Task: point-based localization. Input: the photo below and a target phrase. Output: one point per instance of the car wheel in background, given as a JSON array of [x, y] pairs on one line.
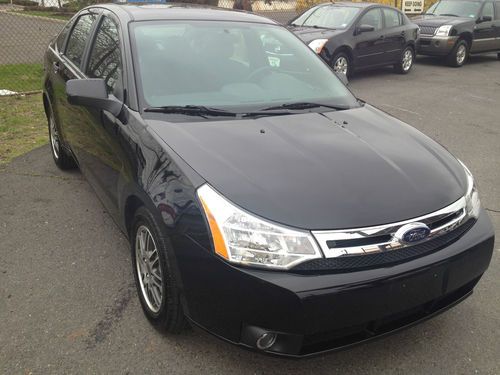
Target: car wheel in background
[[61, 157], [459, 54], [341, 63], [156, 286], [406, 62]]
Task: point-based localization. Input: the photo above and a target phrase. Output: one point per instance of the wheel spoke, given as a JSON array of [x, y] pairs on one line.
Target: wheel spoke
[[149, 269], [156, 296]]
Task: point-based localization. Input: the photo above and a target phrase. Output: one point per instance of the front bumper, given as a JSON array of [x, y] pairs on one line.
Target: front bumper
[[435, 46], [315, 313]]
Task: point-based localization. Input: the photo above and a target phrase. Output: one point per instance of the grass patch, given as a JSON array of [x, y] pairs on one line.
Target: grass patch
[[41, 13], [21, 77], [23, 125]]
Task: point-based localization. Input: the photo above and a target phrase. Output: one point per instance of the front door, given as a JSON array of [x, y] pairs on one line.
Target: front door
[[102, 135], [484, 30], [496, 24], [369, 46]]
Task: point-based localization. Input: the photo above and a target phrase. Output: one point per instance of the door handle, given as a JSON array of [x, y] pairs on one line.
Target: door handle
[[381, 37], [56, 66]]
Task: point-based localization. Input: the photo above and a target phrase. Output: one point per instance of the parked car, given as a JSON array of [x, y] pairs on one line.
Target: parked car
[[351, 36], [263, 202], [453, 29]]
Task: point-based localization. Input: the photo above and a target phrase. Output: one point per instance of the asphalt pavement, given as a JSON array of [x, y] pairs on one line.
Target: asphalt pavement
[[67, 300]]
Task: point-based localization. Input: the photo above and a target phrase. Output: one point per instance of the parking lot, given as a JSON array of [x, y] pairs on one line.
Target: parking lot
[[67, 299]]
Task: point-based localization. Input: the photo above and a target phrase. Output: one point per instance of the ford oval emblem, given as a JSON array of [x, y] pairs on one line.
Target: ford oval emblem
[[414, 232]]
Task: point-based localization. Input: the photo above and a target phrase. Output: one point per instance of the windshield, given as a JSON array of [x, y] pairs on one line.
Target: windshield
[[230, 65], [455, 8], [330, 17]]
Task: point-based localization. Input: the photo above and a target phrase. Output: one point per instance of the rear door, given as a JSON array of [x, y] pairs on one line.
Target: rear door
[[369, 46], [68, 67], [53, 66], [484, 30], [395, 34]]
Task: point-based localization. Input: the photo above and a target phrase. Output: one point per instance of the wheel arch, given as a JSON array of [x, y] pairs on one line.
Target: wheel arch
[[46, 103], [132, 204], [467, 36], [347, 50]]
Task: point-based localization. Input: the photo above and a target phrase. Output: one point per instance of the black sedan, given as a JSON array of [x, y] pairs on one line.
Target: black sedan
[[263, 202], [351, 36]]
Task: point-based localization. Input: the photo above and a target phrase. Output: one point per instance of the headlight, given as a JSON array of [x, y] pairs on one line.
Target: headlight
[[243, 238], [443, 30], [317, 45], [473, 204]]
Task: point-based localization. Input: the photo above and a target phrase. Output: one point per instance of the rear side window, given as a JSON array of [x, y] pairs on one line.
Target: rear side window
[[372, 18], [62, 36], [392, 18], [105, 57], [78, 38]]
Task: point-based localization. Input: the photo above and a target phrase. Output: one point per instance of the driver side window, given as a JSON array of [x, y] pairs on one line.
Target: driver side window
[[488, 11], [372, 18], [105, 58]]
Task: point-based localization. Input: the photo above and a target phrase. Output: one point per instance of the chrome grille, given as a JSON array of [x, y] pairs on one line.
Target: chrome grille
[[383, 259], [385, 238], [427, 30]]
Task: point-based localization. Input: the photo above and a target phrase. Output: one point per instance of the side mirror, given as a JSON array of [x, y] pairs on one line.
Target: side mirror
[[92, 93], [343, 78], [485, 19], [364, 29]]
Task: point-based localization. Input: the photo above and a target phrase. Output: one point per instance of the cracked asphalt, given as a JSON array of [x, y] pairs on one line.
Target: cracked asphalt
[[67, 300]]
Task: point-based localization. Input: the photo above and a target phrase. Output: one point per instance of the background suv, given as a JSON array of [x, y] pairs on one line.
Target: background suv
[[456, 28]]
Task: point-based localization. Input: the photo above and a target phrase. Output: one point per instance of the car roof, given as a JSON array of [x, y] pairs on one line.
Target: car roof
[[354, 4], [173, 11]]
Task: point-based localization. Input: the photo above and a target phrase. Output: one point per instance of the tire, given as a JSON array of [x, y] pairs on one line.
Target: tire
[[459, 54], [341, 63], [61, 157], [406, 61], [498, 56], [155, 275]]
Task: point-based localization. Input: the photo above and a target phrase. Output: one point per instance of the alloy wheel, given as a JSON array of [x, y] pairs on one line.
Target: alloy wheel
[[148, 268], [461, 53], [341, 65], [407, 60]]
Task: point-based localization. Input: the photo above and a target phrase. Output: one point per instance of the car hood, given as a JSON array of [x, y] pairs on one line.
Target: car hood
[[308, 34], [440, 20], [336, 170]]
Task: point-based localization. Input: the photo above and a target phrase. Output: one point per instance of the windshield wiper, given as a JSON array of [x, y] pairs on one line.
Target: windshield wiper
[[304, 105], [449, 14], [191, 110]]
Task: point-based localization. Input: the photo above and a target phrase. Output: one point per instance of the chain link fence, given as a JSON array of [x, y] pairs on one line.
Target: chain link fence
[[27, 26]]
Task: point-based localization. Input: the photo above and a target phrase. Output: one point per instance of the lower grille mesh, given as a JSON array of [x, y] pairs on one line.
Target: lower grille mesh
[[350, 263]]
